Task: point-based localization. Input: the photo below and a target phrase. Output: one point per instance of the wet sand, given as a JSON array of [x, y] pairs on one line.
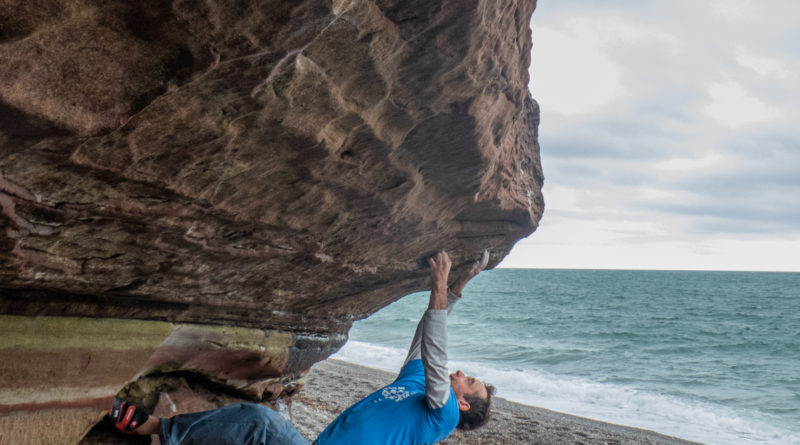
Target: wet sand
[[333, 385]]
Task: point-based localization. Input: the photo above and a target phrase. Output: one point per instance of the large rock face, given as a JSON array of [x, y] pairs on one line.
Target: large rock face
[[281, 167]]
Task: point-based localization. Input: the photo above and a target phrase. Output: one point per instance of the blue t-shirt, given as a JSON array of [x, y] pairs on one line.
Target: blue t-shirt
[[396, 414]]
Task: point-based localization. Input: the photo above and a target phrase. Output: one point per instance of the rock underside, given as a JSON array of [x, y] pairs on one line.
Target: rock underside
[[213, 191]]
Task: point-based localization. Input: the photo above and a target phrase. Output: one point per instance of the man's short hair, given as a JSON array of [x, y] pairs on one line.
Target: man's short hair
[[478, 412]]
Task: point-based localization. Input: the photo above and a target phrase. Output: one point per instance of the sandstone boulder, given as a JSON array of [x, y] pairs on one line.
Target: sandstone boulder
[[275, 168]]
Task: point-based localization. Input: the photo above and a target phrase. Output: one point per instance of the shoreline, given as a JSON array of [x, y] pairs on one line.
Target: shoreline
[[333, 385]]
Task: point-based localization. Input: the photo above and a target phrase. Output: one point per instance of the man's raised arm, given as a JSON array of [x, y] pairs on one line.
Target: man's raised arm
[[434, 334], [430, 339]]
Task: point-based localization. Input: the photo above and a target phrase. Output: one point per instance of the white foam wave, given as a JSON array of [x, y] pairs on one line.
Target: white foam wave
[[374, 356], [669, 415]]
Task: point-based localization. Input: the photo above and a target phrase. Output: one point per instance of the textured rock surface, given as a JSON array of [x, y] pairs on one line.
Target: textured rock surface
[[270, 164], [283, 166]]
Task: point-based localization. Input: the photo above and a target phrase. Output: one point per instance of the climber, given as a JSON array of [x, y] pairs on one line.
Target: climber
[[422, 406]]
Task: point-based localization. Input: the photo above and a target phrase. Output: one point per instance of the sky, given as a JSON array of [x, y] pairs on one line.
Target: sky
[[670, 135]]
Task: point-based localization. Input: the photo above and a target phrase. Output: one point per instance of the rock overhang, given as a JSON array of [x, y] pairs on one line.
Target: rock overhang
[[284, 167]]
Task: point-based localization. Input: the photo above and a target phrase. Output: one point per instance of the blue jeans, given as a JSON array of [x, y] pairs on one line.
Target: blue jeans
[[239, 424]]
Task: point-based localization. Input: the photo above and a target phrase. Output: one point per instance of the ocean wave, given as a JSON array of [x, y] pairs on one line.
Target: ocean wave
[[374, 356]]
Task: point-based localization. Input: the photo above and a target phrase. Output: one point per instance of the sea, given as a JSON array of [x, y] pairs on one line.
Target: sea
[[712, 357]]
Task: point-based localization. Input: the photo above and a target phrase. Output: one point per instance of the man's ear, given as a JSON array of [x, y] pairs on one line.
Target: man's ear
[[463, 405]]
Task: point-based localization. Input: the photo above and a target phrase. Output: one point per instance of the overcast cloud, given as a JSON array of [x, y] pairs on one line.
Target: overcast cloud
[[669, 135]]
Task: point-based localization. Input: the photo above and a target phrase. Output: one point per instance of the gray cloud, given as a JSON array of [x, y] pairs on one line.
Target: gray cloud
[[692, 135]]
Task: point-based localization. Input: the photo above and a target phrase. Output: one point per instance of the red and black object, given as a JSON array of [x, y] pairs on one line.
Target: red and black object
[[126, 417]]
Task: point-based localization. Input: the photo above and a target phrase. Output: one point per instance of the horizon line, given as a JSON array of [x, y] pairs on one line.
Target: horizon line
[[645, 270]]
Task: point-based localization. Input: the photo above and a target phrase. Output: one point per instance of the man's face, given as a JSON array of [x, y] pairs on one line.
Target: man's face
[[464, 385]]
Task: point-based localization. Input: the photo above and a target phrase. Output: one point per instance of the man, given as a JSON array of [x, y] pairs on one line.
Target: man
[[422, 406]]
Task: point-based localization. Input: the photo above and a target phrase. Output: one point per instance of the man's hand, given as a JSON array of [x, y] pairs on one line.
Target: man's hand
[[440, 272]]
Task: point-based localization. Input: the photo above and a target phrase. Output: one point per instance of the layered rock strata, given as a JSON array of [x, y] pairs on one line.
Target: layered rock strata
[[279, 167], [59, 374]]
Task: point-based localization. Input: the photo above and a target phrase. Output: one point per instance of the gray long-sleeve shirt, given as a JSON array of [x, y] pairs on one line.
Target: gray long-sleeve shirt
[[430, 344]]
